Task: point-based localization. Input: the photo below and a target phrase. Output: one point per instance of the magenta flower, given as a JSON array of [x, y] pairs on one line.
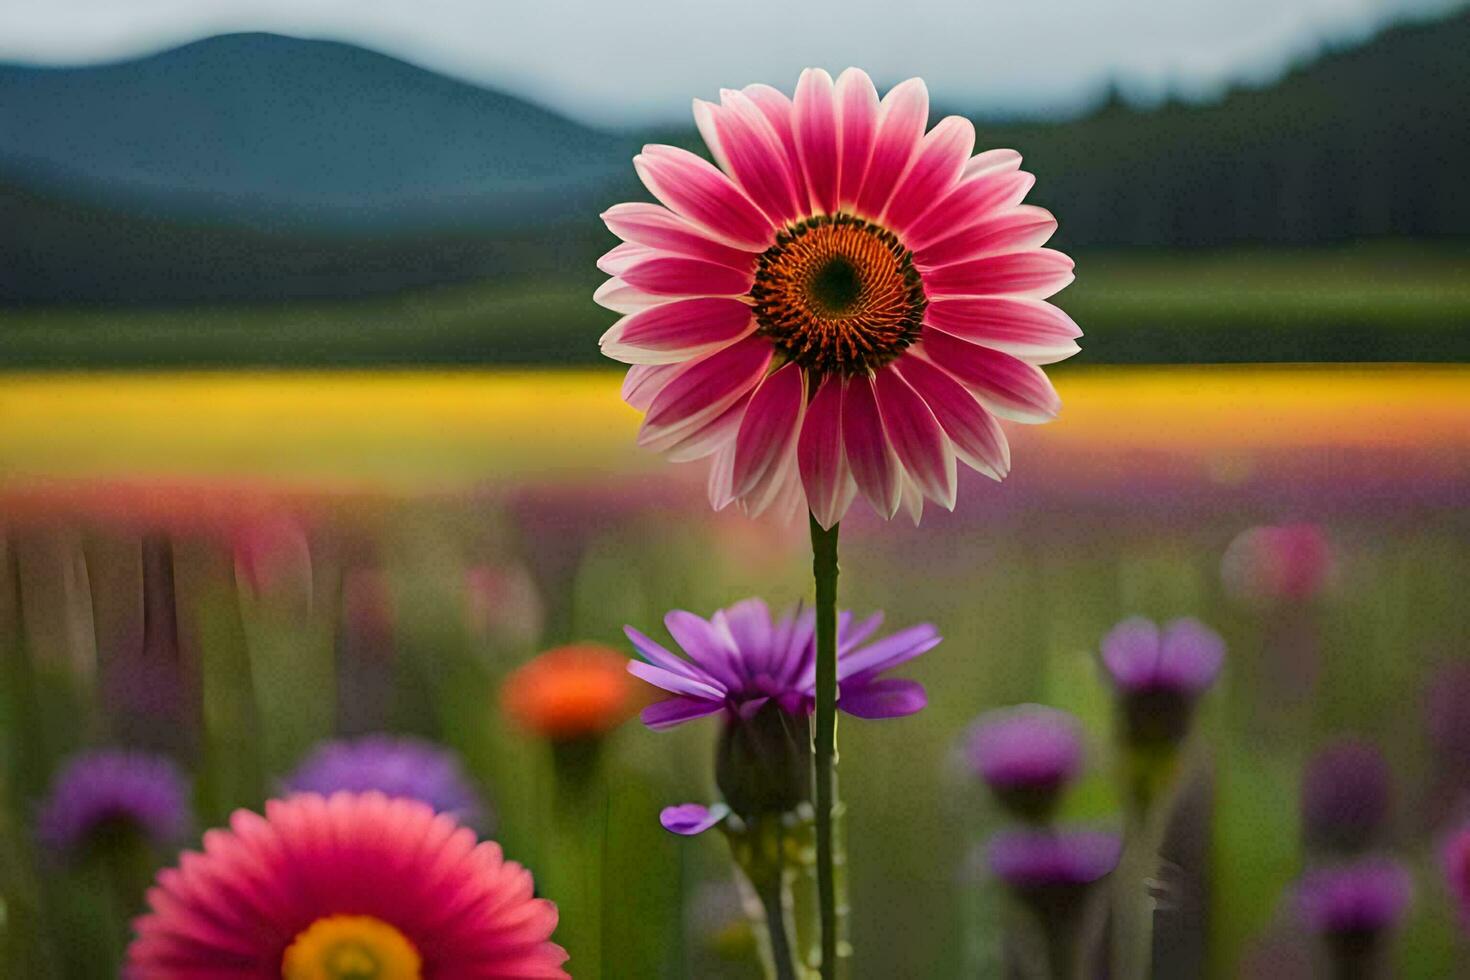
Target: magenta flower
[[1284, 563], [741, 659], [1358, 900], [1347, 790], [1026, 754], [1456, 862], [1030, 861], [110, 790], [843, 305], [1158, 674]]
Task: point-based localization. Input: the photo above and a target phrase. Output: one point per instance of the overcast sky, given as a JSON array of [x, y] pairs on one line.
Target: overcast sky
[[641, 60]]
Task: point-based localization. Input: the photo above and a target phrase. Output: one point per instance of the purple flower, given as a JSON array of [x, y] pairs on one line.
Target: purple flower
[[741, 659], [1346, 793], [105, 791], [1456, 862], [1361, 899], [1026, 754], [1030, 860], [1160, 673], [1281, 564], [689, 819], [395, 766]]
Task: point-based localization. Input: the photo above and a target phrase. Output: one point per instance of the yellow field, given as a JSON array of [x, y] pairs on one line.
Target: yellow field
[[402, 431]]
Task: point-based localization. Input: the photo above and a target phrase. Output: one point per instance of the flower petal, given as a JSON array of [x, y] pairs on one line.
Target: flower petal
[[875, 467], [890, 697], [620, 297], [778, 110], [675, 683], [1031, 329], [720, 486], [972, 199], [770, 427], [673, 275], [645, 381], [704, 390], [814, 123], [889, 652], [662, 715], [656, 654], [696, 189], [1006, 385], [657, 227], [756, 157], [991, 161], [902, 116], [678, 331], [857, 125], [618, 259], [692, 818], [1023, 227], [710, 645], [917, 438], [1039, 273], [824, 475], [973, 432], [936, 168], [704, 440]]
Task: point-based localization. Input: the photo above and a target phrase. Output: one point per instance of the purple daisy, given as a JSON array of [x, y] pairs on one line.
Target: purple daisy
[[1361, 899], [741, 659], [1026, 754], [1347, 790], [396, 766], [106, 791], [1158, 674]]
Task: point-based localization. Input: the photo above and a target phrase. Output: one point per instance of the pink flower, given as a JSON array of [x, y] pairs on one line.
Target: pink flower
[[844, 305], [1277, 564], [320, 885]]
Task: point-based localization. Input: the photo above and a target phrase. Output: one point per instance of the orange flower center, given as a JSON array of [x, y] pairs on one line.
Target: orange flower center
[[838, 294], [351, 947]]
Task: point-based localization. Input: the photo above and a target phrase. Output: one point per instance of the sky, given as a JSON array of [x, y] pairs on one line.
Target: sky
[[640, 61]]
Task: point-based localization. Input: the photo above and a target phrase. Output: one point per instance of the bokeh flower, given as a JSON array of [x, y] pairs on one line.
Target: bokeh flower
[[502, 602], [344, 886], [397, 766], [1026, 755], [742, 659], [273, 556], [571, 692], [843, 305], [1455, 858], [1273, 564], [1352, 904], [1035, 861], [1347, 790], [1159, 674], [101, 794]]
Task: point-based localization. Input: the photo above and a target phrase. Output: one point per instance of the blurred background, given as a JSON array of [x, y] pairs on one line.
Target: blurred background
[[303, 433]]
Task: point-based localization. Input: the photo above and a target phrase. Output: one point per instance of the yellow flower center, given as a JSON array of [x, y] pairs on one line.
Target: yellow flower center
[[351, 947], [837, 294]]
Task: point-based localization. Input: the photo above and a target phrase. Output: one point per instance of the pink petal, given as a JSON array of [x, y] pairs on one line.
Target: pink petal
[[698, 190], [911, 500], [670, 275], [756, 157], [902, 116], [857, 122], [699, 441], [721, 487], [1020, 228], [620, 297], [917, 438], [1038, 273], [678, 331], [769, 428], [1006, 385], [620, 258], [829, 487], [778, 110], [692, 818], [972, 199], [814, 123], [644, 381], [776, 488], [974, 433], [1031, 329], [657, 227], [704, 390], [875, 467], [990, 162], [935, 170]]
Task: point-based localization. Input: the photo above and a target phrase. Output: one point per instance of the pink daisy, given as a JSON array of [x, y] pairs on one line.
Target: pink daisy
[[354, 884], [844, 305]]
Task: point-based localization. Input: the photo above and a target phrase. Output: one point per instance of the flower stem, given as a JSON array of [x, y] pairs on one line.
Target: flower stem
[[772, 895], [824, 570]]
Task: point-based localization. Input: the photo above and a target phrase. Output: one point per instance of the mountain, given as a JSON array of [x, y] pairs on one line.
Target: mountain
[[277, 133]]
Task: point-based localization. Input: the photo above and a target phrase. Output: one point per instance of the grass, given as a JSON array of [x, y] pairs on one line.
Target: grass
[[1379, 302]]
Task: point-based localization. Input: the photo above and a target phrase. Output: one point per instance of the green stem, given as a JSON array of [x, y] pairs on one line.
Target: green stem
[[772, 896], [824, 570]]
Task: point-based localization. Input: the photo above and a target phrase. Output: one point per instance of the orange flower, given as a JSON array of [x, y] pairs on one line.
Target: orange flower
[[577, 691]]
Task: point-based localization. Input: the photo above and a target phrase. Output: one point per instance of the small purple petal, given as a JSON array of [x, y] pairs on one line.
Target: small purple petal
[[1131, 652], [850, 638], [1029, 859], [690, 819], [890, 697], [709, 645], [676, 711], [889, 652], [659, 657], [672, 682], [1029, 746], [1366, 896], [1190, 655]]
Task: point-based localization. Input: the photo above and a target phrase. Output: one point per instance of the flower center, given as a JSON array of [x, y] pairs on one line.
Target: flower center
[[838, 294], [351, 947]]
